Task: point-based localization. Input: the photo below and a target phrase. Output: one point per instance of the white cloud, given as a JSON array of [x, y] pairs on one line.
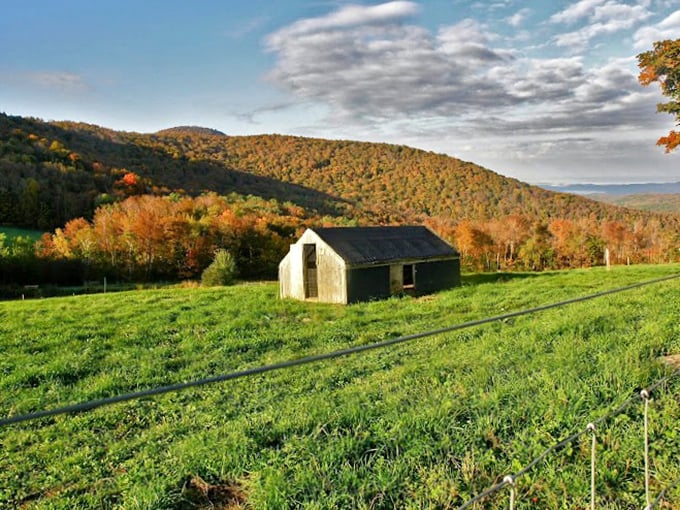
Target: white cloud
[[468, 39], [543, 80], [576, 11], [666, 4], [602, 17], [612, 11], [668, 28], [408, 83], [346, 18], [390, 71], [580, 38], [487, 6], [60, 81], [518, 18], [385, 70]]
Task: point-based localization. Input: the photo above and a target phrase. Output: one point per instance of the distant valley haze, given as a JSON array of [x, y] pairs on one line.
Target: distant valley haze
[[616, 188]]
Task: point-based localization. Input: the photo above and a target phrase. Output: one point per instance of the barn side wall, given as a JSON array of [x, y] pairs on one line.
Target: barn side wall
[[368, 283], [437, 275]]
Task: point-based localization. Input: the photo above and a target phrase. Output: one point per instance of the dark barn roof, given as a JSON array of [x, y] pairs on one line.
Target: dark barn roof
[[377, 245]]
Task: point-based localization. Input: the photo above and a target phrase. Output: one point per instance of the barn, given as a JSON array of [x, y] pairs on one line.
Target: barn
[[350, 264]]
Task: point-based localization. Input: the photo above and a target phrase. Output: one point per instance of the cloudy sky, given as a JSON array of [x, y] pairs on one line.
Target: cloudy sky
[[544, 91]]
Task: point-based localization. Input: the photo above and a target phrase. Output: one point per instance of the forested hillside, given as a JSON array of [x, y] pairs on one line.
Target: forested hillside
[[53, 172], [260, 191]]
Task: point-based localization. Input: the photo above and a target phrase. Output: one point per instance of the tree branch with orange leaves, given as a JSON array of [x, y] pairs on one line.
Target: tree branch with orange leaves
[[662, 65]]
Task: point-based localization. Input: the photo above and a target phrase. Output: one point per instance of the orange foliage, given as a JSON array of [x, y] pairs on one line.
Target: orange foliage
[[662, 65], [670, 142], [268, 188], [130, 179], [147, 237]]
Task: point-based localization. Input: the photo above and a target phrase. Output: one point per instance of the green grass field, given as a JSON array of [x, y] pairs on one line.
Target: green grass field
[[426, 424], [12, 232]]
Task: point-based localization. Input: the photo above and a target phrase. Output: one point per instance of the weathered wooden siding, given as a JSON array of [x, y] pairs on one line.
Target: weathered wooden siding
[[437, 275], [368, 283], [291, 280], [396, 278], [330, 272], [331, 275]]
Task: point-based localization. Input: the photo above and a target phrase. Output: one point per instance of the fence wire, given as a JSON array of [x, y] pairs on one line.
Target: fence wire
[[662, 495], [590, 428]]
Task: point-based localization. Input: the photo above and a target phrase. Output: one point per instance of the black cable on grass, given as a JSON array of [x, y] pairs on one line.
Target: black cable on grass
[[662, 495], [93, 404]]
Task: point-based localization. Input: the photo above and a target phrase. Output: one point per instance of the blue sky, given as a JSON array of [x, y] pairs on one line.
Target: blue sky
[[542, 91]]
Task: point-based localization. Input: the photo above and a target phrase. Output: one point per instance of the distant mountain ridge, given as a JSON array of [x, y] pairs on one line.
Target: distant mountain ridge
[[190, 130], [617, 189], [657, 202]]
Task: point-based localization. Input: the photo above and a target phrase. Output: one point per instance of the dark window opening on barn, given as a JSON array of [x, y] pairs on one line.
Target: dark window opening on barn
[[311, 279], [409, 277]]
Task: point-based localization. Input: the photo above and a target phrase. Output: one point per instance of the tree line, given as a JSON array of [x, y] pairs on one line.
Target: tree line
[[514, 242], [150, 238]]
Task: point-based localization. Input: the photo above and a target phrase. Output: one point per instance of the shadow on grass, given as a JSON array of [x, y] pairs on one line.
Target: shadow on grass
[[480, 278]]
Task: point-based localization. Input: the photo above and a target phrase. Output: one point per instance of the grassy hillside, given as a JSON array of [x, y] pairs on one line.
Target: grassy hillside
[[55, 171], [12, 232], [421, 425]]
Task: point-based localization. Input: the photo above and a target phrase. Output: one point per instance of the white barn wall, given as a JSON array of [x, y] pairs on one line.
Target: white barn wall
[[284, 277]]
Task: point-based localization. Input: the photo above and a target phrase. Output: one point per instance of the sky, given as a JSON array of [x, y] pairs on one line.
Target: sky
[[543, 91]]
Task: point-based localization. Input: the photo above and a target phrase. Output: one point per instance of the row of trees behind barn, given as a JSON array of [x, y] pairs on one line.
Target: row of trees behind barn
[[172, 238]]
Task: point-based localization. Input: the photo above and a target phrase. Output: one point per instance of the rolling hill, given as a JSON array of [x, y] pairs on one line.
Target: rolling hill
[[55, 171], [657, 202], [618, 189], [663, 197]]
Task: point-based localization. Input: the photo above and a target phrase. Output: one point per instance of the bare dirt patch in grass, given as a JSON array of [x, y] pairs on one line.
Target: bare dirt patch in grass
[[673, 360], [197, 494]]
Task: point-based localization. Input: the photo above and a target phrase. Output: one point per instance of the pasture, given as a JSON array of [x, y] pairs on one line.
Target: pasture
[[424, 424], [12, 233]]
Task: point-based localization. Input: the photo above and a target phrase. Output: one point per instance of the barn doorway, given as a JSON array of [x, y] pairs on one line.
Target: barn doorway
[[310, 271], [402, 279], [409, 278]]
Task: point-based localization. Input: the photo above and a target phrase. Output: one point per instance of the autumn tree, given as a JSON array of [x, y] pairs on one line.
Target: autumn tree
[[662, 65], [617, 239], [566, 242], [536, 252], [474, 245], [509, 233]]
